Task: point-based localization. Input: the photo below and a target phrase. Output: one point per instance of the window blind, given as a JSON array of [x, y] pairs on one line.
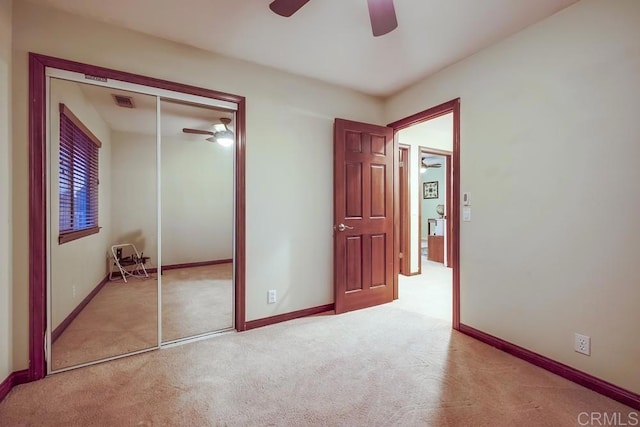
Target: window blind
[[78, 175]]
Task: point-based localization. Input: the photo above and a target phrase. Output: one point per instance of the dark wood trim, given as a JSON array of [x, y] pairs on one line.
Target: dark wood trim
[[37, 189], [151, 270], [14, 379], [55, 334], [196, 264], [240, 263], [405, 209], [448, 182], [420, 195], [593, 383], [396, 214], [435, 151], [37, 219], [70, 236], [452, 106], [253, 324], [428, 114], [108, 73], [455, 214], [76, 121]]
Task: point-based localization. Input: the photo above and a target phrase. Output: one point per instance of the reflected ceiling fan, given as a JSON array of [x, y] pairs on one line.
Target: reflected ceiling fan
[[424, 166], [381, 12], [220, 134]]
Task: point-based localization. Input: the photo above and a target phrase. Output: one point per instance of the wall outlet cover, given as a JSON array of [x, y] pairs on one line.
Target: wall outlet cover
[[582, 344], [271, 296]]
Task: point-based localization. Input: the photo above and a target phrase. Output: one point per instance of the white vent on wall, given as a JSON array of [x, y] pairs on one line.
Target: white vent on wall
[[123, 101]]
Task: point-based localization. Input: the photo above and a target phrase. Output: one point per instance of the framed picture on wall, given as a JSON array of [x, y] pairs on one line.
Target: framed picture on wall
[[430, 190]]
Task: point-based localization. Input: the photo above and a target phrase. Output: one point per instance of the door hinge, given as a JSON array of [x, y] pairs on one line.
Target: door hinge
[[401, 164], [401, 255]]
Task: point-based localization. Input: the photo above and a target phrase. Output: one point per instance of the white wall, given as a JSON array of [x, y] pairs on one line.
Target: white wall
[[197, 197], [81, 263], [549, 152], [197, 200], [6, 323], [435, 134], [134, 212], [289, 152]]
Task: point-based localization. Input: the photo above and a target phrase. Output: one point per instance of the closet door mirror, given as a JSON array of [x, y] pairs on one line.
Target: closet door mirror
[[197, 219], [103, 224]]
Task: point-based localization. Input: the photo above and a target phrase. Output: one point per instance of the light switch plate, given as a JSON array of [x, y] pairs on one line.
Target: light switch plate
[[466, 214], [466, 199]]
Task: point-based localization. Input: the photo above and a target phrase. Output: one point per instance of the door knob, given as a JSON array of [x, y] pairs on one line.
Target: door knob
[[342, 227]]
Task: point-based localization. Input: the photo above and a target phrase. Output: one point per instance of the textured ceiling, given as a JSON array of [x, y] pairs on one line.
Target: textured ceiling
[[330, 40]]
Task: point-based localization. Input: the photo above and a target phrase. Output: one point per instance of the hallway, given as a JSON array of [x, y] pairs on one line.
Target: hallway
[[429, 293]]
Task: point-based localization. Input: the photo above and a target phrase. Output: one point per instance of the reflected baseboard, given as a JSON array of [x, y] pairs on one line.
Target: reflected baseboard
[[192, 264], [152, 270], [67, 320]]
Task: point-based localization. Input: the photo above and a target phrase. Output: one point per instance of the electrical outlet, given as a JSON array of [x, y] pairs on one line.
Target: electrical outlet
[[271, 296], [582, 344]]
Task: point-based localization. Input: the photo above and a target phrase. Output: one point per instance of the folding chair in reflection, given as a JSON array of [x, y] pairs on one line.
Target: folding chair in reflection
[[128, 261]]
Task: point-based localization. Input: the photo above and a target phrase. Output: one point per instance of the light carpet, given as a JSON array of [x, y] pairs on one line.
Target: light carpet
[[388, 365], [122, 317]]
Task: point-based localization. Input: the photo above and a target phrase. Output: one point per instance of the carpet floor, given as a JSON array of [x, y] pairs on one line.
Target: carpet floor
[[394, 364], [123, 318]]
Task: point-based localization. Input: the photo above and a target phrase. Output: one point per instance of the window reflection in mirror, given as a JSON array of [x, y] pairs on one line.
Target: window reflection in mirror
[[102, 193]]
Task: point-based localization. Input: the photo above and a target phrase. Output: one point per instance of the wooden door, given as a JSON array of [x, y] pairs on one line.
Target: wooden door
[[363, 215]]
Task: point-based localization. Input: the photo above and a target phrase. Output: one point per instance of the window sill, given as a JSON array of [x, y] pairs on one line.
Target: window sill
[[75, 235]]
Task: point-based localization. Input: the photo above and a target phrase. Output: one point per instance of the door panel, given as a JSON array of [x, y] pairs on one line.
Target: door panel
[[378, 260], [353, 172], [363, 202], [378, 191], [354, 263]]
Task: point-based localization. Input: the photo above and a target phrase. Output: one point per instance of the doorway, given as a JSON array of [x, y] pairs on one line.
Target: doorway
[[431, 138], [434, 204], [367, 230]]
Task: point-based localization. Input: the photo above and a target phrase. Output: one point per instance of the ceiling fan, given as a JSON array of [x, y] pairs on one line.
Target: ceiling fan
[[381, 12], [424, 166], [220, 134]]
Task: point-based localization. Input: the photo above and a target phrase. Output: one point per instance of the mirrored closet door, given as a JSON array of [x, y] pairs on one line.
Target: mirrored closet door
[[197, 219], [141, 219]]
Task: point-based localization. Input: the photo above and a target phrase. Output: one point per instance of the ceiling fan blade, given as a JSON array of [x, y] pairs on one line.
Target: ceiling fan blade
[[197, 131], [383, 16], [286, 8]]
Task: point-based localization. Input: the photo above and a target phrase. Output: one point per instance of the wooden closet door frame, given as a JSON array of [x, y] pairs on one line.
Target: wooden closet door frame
[[38, 187]]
